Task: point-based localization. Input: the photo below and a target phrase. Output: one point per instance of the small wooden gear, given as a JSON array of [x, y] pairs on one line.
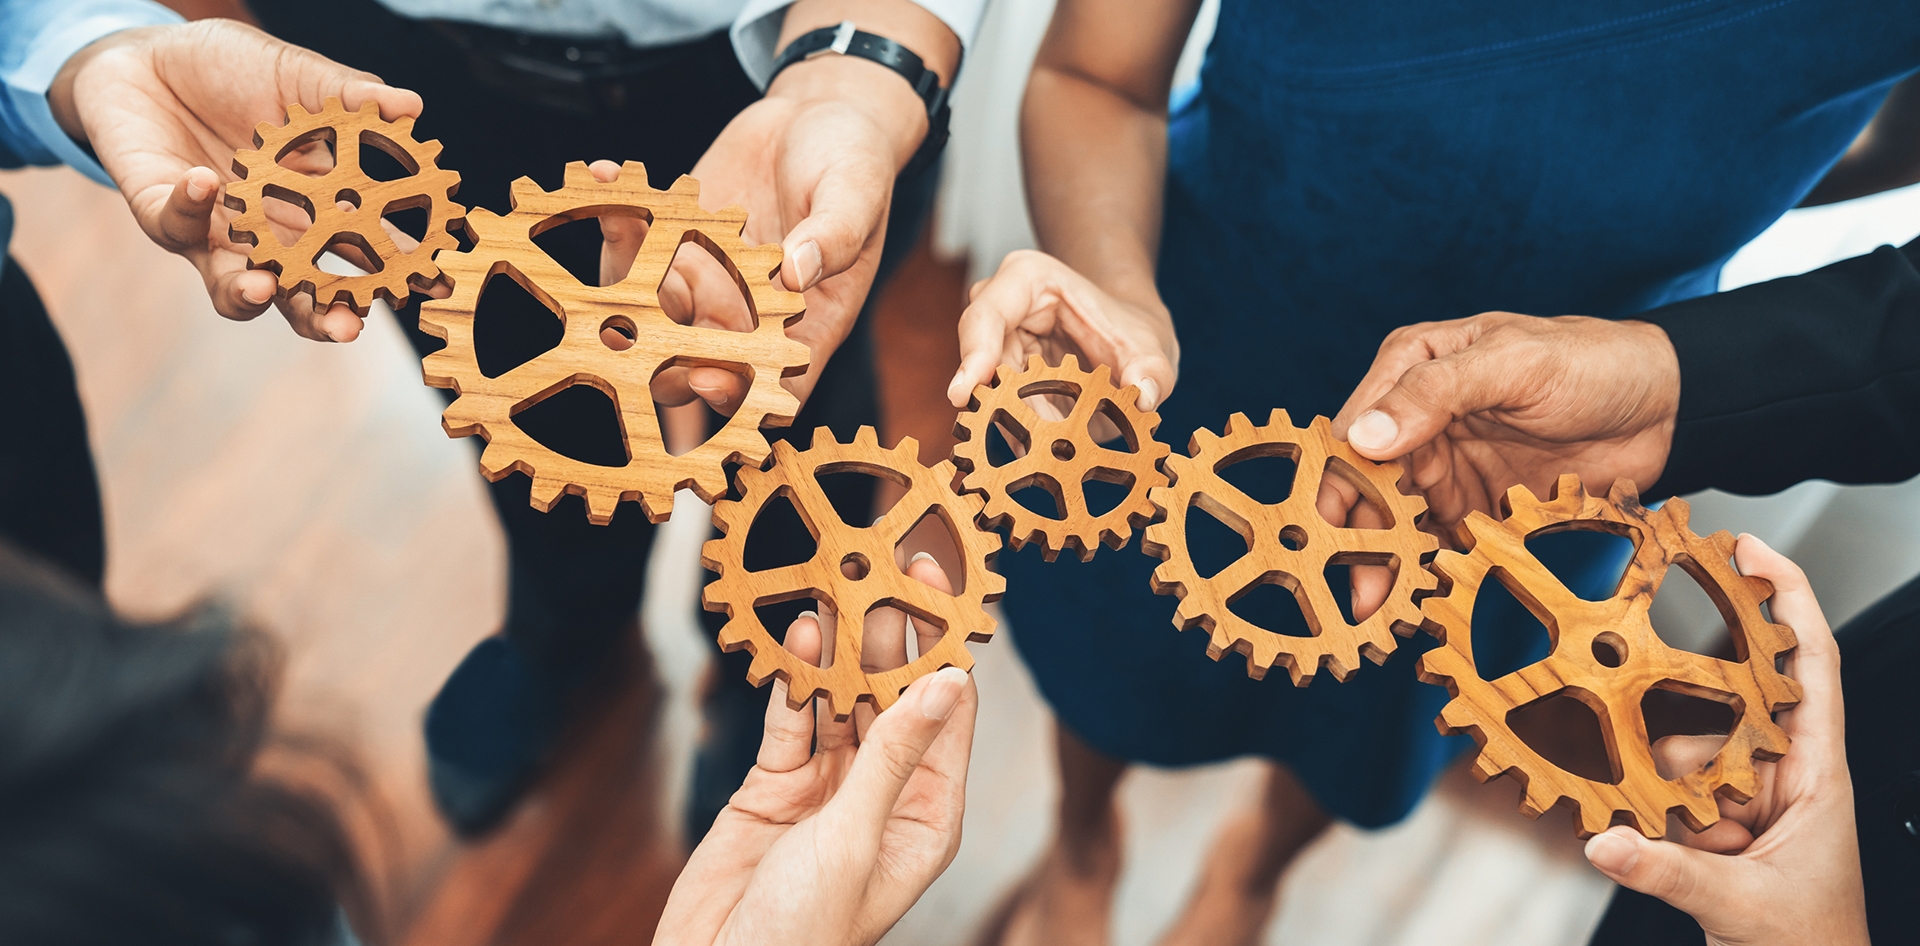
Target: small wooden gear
[[426, 185], [486, 406], [852, 571], [1290, 544], [1607, 655], [1062, 456]]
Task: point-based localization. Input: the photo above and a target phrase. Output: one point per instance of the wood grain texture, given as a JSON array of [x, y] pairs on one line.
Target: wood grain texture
[[1061, 456], [504, 245], [852, 571], [397, 272], [1290, 544], [1607, 654]]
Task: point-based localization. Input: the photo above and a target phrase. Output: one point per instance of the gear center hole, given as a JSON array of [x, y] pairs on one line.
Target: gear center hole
[[618, 333], [1610, 649], [855, 566], [1293, 538], [1063, 450]]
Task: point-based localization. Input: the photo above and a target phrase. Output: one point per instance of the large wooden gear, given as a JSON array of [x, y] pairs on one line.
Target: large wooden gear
[[1290, 544], [427, 185], [486, 406], [1062, 456], [869, 554], [1607, 654]]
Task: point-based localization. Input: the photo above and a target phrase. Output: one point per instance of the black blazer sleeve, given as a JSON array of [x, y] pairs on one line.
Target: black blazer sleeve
[[1814, 376]]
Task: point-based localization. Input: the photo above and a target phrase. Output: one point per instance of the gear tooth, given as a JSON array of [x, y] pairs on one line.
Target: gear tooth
[[298, 111], [685, 185], [1238, 424], [1279, 418], [521, 189], [601, 503], [545, 493], [711, 552], [1724, 543], [865, 436], [1069, 362]]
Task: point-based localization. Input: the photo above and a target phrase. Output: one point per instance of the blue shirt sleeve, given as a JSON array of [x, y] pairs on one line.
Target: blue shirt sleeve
[[37, 37]]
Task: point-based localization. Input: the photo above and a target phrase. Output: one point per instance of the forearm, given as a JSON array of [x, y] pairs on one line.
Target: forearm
[[1093, 132], [866, 85], [1095, 164], [1814, 376]]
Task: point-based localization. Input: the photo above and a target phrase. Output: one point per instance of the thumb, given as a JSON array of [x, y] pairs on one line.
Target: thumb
[[1427, 397], [1706, 886], [182, 222], [845, 209], [890, 754]]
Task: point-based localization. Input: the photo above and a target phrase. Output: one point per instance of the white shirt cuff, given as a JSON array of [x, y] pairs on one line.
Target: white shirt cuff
[[757, 29], [27, 86]]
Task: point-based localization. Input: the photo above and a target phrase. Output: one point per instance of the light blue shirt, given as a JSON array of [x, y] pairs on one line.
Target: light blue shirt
[[37, 37]]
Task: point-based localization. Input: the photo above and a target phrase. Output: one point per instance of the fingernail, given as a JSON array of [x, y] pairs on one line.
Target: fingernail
[[920, 557], [716, 396], [942, 693], [809, 614], [195, 192], [1612, 853], [262, 300], [1373, 431], [1149, 393], [956, 387], [806, 264]]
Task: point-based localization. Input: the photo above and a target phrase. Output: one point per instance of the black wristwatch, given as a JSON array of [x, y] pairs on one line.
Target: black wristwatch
[[848, 41]]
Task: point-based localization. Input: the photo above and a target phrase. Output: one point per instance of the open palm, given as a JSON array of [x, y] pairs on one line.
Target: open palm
[[165, 108]]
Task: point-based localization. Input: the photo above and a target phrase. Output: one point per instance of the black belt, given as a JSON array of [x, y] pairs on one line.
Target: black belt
[[582, 75]]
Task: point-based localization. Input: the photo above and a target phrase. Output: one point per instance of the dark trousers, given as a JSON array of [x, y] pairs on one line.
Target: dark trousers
[[46, 466], [1880, 651]]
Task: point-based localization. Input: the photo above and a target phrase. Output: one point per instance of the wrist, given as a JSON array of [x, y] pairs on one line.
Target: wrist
[[66, 92], [866, 88]]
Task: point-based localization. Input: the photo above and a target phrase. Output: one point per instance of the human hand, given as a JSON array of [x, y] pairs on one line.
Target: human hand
[[813, 164], [165, 107], [1035, 304], [1784, 868], [1475, 406], [841, 825]]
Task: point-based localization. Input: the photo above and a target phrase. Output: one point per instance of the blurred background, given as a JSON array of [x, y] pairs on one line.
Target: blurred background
[[311, 487]]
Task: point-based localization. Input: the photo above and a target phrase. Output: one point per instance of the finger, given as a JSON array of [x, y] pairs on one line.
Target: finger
[[360, 86], [1815, 662], [670, 387], [621, 237], [1711, 887], [184, 221], [237, 292], [723, 390], [927, 571], [892, 752], [983, 336], [1675, 756], [788, 742], [830, 732], [1425, 399], [847, 208], [1726, 836]]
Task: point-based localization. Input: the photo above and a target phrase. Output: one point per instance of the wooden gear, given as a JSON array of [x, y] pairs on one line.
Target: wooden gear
[[1061, 457], [651, 475], [1607, 654], [1289, 544], [868, 552], [426, 185]]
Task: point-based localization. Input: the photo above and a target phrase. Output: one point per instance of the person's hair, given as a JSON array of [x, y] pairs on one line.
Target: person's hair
[[129, 812]]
